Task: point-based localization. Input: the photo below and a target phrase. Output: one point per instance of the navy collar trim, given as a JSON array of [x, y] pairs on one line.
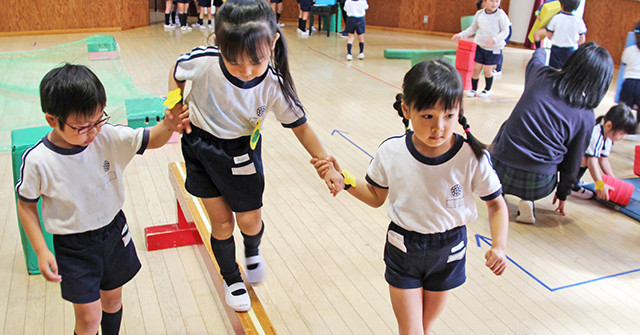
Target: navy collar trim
[[433, 160], [239, 83], [62, 151]]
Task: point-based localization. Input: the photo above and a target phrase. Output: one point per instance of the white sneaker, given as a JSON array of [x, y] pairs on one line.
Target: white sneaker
[[210, 26], [299, 31], [472, 93], [583, 193], [496, 74], [349, 57], [195, 25], [313, 29], [280, 24], [361, 55], [304, 33], [202, 27], [169, 26], [256, 268], [526, 212], [237, 297], [485, 93], [186, 29]]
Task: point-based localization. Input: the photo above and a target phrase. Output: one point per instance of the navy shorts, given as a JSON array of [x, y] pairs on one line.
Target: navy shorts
[[276, 1], [183, 1], [228, 168], [101, 259], [305, 5], [559, 55], [204, 3], [435, 262], [630, 92], [355, 24], [487, 57], [217, 3]]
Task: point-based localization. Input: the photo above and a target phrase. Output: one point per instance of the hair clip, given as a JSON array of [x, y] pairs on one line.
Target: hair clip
[[467, 130]]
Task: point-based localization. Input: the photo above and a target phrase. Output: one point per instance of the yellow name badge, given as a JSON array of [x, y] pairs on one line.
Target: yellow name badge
[[173, 98], [255, 136]]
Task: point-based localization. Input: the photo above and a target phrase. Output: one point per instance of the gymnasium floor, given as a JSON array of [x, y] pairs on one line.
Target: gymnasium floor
[[325, 254]]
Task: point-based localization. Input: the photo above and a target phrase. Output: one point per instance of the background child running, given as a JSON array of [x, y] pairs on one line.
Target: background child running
[[234, 85], [429, 176], [548, 131], [630, 90], [77, 171], [612, 127], [565, 31], [491, 28], [355, 10]]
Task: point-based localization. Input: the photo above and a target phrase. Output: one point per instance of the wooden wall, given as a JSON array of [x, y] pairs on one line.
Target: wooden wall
[[608, 21], [72, 15]]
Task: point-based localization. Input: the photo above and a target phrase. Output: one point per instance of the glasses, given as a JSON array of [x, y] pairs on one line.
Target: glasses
[[86, 129]]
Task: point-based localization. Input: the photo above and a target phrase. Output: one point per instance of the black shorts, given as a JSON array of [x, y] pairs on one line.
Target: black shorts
[[101, 259], [183, 1], [630, 92], [204, 3], [487, 57], [276, 1], [559, 55], [355, 24], [217, 3], [228, 168], [435, 262], [305, 5]]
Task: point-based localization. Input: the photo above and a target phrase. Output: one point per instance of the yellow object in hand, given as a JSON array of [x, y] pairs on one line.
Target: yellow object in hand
[[349, 179], [173, 98], [599, 185]]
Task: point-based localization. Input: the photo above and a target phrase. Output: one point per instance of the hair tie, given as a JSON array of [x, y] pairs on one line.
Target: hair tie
[[467, 130]]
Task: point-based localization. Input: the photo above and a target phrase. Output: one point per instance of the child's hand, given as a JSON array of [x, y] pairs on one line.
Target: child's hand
[[560, 208], [496, 260], [48, 266], [324, 165], [334, 181], [491, 43], [456, 37], [604, 193], [177, 118]]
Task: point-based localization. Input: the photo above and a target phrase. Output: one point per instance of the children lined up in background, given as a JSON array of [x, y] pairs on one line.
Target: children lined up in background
[[425, 174], [355, 10], [205, 6], [171, 6], [612, 127], [234, 85], [566, 32], [549, 128], [491, 28], [94, 252], [630, 89]]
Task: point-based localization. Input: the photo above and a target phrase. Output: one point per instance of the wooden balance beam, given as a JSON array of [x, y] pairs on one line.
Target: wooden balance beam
[[193, 218]]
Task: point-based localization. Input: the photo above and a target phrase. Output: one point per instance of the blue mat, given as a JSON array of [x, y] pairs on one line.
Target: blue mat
[[633, 208]]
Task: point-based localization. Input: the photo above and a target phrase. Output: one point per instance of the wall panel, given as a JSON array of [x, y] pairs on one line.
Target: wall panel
[[609, 21]]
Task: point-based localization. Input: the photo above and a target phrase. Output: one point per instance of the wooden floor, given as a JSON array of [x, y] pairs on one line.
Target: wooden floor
[[325, 254]]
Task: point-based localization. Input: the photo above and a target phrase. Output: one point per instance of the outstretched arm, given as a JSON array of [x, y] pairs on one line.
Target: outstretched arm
[[28, 213], [499, 222], [309, 140]]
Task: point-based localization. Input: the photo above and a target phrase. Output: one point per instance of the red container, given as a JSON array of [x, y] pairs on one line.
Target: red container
[[467, 44], [464, 60], [622, 192], [466, 78], [636, 161]]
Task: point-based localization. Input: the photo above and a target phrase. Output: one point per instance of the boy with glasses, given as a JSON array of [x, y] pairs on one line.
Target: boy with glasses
[[77, 170]]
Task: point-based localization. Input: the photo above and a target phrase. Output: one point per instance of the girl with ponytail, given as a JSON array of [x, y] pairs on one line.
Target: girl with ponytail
[[429, 176]]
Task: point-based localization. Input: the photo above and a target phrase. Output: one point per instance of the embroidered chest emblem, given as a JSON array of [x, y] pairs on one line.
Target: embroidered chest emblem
[[106, 166], [456, 190], [260, 111]]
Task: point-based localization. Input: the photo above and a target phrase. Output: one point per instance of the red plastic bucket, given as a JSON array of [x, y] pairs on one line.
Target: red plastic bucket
[[636, 161], [623, 190]]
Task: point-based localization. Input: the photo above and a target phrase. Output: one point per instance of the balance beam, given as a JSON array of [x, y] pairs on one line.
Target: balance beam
[[255, 321]]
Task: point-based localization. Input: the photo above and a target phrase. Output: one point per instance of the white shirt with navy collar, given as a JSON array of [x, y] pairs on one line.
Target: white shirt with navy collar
[[566, 29]]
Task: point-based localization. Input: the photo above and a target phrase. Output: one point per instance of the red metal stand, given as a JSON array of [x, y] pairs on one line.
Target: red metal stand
[[172, 235]]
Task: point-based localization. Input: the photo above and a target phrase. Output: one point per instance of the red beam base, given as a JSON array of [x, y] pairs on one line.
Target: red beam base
[[172, 235]]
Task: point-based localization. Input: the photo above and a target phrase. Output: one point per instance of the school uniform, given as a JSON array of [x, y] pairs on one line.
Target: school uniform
[[82, 195], [486, 26], [224, 112], [429, 203], [567, 29], [630, 90], [355, 16]]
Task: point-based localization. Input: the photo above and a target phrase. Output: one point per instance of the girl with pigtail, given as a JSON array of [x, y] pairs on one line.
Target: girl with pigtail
[[429, 175]]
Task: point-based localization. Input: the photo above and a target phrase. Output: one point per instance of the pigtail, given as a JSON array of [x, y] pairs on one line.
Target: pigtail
[[281, 65], [398, 107], [477, 146], [599, 119]]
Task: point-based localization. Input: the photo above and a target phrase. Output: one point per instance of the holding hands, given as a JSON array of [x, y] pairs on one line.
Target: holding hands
[[329, 170]]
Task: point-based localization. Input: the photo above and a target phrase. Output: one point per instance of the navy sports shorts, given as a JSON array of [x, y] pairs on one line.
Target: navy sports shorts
[[204, 3], [630, 92], [101, 259], [559, 55], [305, 5], [276, 1], [228, 168], [217, 3], [183, 1], [487, 57], [435, 262], [355, 24]]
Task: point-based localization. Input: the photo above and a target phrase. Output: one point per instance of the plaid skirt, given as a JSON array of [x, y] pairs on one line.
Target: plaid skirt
[[523, 184]]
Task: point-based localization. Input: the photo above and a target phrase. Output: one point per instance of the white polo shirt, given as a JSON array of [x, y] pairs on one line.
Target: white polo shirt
[[432, 194], [566, 29], [82, 187]]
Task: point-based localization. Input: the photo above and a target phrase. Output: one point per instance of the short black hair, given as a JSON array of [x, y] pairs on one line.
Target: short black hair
[[71, 89], [569, 5], [621, 118]]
